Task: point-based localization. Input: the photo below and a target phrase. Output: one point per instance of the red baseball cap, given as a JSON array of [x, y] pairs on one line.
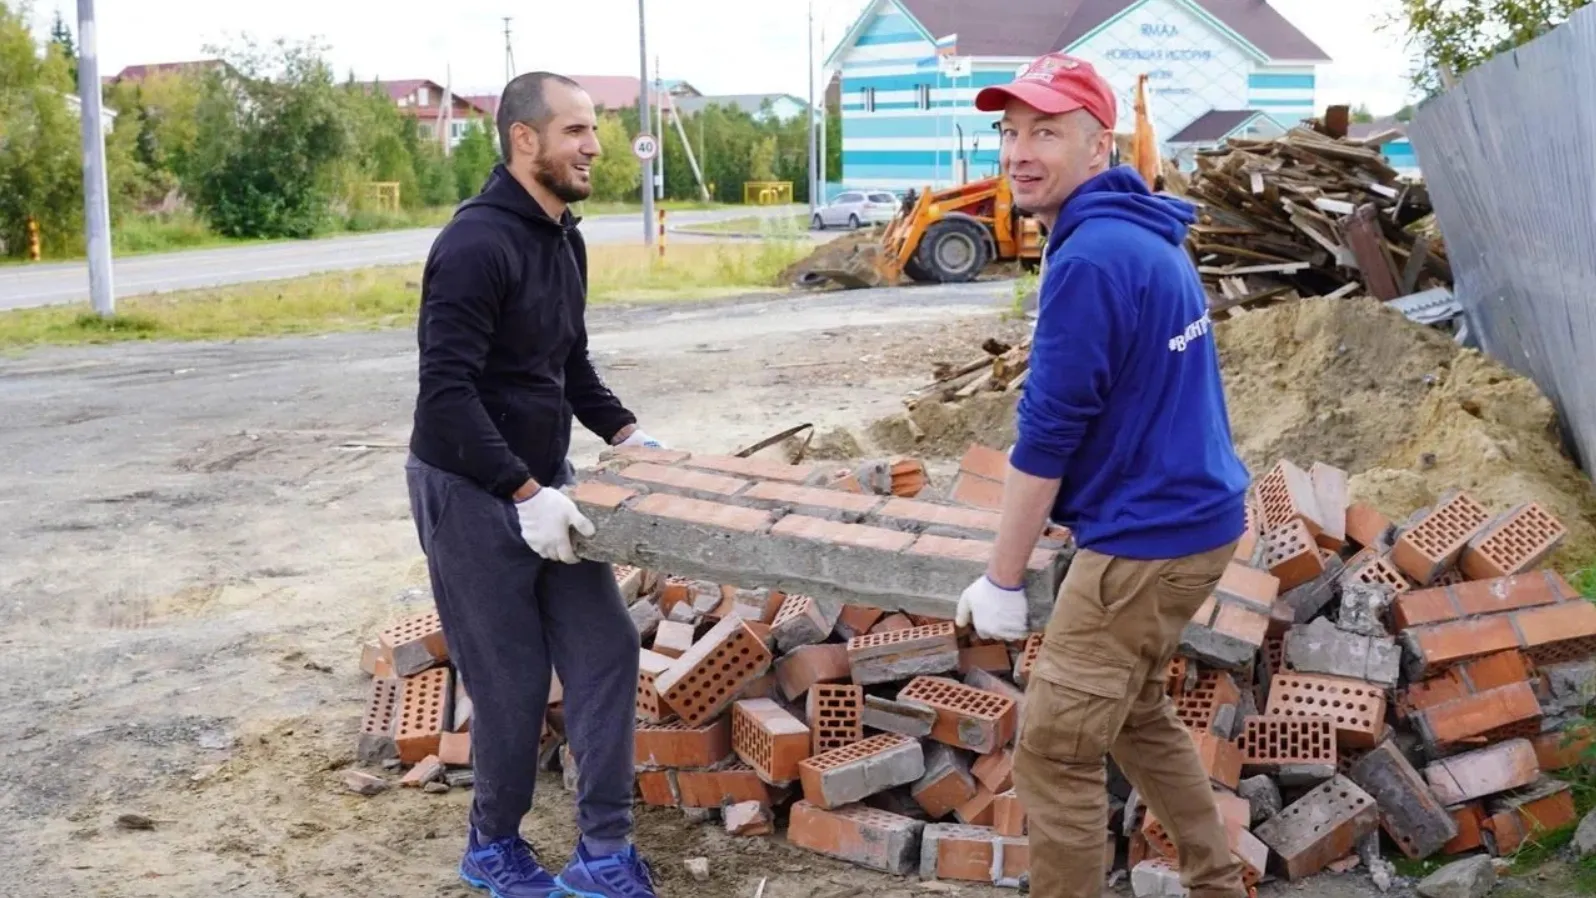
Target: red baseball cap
[[1055, 84]]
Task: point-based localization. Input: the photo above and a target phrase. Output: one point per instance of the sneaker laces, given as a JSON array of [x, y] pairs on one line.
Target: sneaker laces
[[629, 863], [514, 855]]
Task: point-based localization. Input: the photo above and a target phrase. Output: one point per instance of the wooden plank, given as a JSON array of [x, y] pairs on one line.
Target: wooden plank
[[1362, 232], [1415, 264], [1339, 207]]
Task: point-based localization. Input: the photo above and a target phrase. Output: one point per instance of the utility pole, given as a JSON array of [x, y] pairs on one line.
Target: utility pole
[[812, 141], [825, 119], [644, 119], [96, 195], [659, 131], [509, 53]]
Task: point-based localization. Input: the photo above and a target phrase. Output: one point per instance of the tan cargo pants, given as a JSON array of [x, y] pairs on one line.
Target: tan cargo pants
[[1098, 687]]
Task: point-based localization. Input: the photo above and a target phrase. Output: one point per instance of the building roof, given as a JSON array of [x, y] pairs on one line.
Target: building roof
[[1034, 27], [1361, 130], [404, 87], [488, 103], [1214, 125], [143, 70], [749, 103]]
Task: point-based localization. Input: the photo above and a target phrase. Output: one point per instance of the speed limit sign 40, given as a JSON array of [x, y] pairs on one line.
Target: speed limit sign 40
[[644, 146]]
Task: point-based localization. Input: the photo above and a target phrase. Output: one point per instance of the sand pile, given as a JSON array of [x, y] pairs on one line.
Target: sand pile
[[834, 253], [1352, 383]]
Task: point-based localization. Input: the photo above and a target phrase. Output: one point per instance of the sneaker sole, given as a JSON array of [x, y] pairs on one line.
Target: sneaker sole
[[483, 885], [576, 893]]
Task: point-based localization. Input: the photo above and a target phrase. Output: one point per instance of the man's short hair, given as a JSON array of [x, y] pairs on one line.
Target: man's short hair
[[525, 100]]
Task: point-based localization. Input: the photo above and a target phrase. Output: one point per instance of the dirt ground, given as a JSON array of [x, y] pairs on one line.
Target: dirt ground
[[198, 537]]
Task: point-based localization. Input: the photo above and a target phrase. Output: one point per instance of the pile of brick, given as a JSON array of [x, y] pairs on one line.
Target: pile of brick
[[798, 661]]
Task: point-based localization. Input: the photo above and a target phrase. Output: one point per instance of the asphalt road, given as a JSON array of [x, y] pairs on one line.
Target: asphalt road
[[68, 282]]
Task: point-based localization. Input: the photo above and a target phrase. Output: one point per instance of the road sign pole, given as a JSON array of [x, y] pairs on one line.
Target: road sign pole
[[643, 119], [96, 195]]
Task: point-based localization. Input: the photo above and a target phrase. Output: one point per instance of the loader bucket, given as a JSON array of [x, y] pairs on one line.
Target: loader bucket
[[865, 267]]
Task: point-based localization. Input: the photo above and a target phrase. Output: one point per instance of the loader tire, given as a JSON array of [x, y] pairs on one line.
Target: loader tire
[[953, 251], [917, 272]]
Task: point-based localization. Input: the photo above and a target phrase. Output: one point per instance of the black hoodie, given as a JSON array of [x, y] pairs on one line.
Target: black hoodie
[[503, 340]]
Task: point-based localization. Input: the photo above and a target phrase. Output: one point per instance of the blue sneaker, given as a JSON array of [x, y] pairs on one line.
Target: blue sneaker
[[506, 869], [621, 875]]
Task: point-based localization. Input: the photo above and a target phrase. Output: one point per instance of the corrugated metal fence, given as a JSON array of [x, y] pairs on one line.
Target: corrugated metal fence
[[1509, 156]]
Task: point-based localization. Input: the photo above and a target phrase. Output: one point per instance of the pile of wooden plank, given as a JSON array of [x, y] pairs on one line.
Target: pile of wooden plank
[[1307, 214], [1000, 368]]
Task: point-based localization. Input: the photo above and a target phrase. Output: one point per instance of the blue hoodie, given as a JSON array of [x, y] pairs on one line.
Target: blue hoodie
[[1124, 403]]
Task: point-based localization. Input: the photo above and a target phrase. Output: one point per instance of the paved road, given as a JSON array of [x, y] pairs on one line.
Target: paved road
[[67, 282]]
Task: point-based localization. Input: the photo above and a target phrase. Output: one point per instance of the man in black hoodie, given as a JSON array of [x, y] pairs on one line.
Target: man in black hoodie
[[504, 366]]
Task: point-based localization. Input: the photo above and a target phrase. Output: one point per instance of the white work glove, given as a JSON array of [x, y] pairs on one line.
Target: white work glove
[[638, 438], [546, 522], [998, 613]]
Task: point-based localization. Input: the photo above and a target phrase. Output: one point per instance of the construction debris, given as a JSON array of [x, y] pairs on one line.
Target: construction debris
[[999, 369], [885, 738], [1306, 214]]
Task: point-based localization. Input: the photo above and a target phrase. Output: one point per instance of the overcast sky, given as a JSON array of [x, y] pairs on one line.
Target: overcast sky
[[392, 39]]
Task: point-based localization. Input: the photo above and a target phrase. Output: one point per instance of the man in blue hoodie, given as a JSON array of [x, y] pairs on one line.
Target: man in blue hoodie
[[1124, 439]]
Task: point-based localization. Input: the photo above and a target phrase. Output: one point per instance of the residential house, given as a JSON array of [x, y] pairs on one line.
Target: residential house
[[1213, 128], [423, 100], [1398, 151], [911, 69], [139, 72]]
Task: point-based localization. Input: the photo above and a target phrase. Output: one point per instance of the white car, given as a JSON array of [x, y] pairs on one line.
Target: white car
[[855, 209]]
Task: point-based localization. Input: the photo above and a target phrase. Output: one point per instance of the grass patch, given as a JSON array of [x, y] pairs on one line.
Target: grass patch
[[780, 225], [600, 207], [376, 298]]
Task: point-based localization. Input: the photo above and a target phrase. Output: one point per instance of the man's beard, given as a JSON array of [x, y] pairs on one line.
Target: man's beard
[[567, 191]]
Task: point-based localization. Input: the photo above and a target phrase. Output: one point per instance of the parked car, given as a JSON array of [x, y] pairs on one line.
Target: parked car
[[855, 209]]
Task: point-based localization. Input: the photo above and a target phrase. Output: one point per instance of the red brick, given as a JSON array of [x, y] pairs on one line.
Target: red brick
[[414, 644], [1564, 749], [697, 511], [650, 707], [947, 783], [425, 771], [454, 749], [1286, 494], [1249, 586], [1467, 678], [733, 784], [859, 835], [1026, 659], [1486, 716], [701, 683], [769, 739], [810, 497], [601, 495], [1366, 525], [658, 788], [1330, 495], [1433, 545], [1291, 554], [972, 550], [1516, 541], [1437, 647], [967, 718], [423, 702], [1269, 743], [856, 620], [851, 773], [1409, 811], [1483, 771], [1008, 814], [899, 654], [1242, 623], [976, 491], [1378, 570], [984, 461], [862, 536], [995, 771], [834, 713], [1252, 532], [992, 657], [1446, 603], [675, 744], [1470, 821], [908, 476], [807, 665], [965, 853], [1221, 758], [1559, 633], [648, 454], [1175, 676], [978, 810], [1358, 708], [932, 514], [1198, 706], [891, 622], [758, 468], [1321, 827], [380, 724], [1518, 817], [678, 478], [673, 638]]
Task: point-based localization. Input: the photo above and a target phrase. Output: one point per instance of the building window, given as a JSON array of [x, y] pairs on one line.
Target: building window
[[421, 96], [923, 96], [869, 99]]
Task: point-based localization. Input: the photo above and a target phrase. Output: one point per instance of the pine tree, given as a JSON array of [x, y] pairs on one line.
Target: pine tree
[[61, 37]]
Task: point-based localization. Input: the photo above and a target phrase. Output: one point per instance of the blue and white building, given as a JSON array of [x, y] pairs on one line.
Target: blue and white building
[[910, 70]]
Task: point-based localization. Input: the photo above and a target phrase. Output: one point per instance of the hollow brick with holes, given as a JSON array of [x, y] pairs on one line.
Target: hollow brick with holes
[[859, 835], [1291, 554], [802, 621], [380, 725], [803, 667], [1378, 570], [852, 773], [650, 707], [1286, 494], [1212, 704], [769, 739], [892, 716], [1513, 542], [1441, 604], [903, 654], [967, 718], [1295, 750], [1251, 534], [677, 744], [423, 710], [1026, 659], [1323, 826], [1358, 708], [1433, 544], [703, 682], [1409, 811], [834, 712], [414, 644]]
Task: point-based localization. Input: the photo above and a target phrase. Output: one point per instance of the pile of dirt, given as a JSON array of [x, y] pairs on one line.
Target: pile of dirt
[[1352, 383], [832, 254]]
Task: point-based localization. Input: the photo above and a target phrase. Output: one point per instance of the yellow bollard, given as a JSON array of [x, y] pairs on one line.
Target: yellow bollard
[[34, 253], [662, 233]]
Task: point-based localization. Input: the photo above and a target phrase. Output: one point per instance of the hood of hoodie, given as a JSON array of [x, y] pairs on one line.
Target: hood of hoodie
[[1121, 193], [503, 191]]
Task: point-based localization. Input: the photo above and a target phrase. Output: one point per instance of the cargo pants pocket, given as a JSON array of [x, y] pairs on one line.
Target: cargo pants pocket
[[1075, 707]]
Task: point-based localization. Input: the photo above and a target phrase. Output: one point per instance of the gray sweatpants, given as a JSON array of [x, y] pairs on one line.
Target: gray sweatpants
[[508, 615]]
